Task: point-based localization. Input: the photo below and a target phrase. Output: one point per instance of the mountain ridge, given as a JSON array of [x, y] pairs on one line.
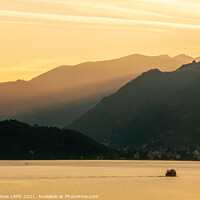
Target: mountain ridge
[[156, 109], [61, 95]]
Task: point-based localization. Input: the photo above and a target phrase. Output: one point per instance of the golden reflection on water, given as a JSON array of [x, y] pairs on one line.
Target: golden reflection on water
[[111, 180]]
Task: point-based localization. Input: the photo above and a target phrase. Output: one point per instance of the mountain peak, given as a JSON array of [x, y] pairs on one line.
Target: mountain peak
[[165, 56], [182, 56], [152, 71], [194, 66]]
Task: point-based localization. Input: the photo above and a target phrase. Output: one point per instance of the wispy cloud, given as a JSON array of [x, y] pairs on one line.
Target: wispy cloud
[[104, 6], [174, 3], [145, 29], [35, 65], [21, 22], [94, 20], [157, 1]]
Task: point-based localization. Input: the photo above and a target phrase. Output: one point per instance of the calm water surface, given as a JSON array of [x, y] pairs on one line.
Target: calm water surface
[[111, 180]]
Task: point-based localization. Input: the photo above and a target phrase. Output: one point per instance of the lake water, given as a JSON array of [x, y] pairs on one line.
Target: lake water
[[110, 180]]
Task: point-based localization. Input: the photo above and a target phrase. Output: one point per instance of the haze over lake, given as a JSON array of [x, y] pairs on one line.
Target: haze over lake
[[110, 180]]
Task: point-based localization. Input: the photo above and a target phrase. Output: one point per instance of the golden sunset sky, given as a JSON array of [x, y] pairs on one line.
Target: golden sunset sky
[[38, 35]]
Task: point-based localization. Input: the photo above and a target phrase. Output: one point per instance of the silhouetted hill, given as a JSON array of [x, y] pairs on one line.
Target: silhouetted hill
[[157, 109], [22, 141], [63, 94]]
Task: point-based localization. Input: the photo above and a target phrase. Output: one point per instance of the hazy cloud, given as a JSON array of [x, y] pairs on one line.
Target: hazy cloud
[[94, 20]]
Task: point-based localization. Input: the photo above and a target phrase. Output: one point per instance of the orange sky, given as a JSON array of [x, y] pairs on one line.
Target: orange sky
[[38, 35]]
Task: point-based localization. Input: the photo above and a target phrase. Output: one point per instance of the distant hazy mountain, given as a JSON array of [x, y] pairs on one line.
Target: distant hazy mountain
[[21, 141], [63, 94], [157, 109]]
